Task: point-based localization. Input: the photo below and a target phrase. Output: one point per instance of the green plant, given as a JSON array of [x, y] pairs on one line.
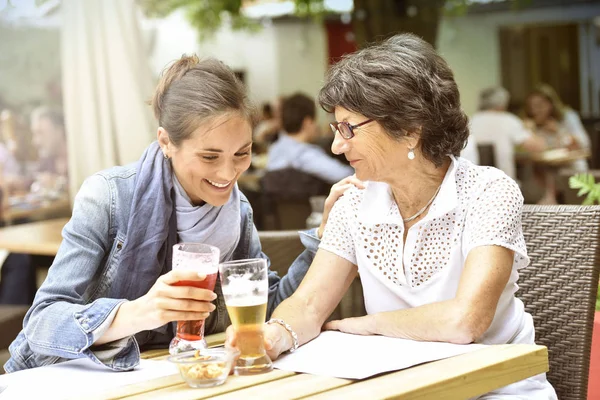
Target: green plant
[[587, 186], [207, 16]]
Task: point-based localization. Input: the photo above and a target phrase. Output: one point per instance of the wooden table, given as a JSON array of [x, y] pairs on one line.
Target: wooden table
[[39, 238], [459, 377], [554, 158], [53, 209]]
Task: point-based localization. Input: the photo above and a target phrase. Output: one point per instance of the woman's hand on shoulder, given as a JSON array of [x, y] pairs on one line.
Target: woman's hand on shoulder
[[337, 191], [166, 302]]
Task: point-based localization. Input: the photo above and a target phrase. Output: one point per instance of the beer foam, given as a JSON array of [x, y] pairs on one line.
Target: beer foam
[[246, 301], [199, 264], [243, 285]]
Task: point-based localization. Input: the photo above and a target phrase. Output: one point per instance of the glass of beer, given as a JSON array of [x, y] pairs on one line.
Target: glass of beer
[[245, 287], [205, 260]]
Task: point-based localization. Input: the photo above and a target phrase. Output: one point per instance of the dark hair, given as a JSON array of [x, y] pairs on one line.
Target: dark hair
[[192, 91], [293, 111], [404, 85], [267, 111]]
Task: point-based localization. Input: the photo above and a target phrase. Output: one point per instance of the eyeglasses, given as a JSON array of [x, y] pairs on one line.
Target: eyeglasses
[[345, 129]]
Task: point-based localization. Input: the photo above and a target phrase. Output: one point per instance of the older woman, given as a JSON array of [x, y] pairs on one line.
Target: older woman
[[437, 240], [111, 288]]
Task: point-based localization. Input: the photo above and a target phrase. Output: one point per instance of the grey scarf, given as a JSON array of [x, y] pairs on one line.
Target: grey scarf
[[151, 228], [216, 226]]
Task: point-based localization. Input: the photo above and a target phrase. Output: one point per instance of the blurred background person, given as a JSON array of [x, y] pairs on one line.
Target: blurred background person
[[268, 127], [493, 125], [10, 167], [559, 127], [295, 149], [45, 178], [49, 139]]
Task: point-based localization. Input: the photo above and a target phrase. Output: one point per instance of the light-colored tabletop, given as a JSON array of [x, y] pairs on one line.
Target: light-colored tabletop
[[459, 377], [39, 238], [49, 209], [556, 157]]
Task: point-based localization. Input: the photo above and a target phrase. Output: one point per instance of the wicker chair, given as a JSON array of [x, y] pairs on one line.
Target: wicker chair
[[559, 289], [283, 247]]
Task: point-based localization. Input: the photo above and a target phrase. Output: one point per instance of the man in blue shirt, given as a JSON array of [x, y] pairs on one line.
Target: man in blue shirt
[[294, 148]]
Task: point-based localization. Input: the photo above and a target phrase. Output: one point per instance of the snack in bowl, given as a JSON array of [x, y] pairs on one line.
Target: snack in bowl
[[206, 367]]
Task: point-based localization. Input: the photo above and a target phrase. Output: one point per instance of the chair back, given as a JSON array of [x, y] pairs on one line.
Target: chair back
[[559, 289], [487, 155], [282, 247], [286, 197]]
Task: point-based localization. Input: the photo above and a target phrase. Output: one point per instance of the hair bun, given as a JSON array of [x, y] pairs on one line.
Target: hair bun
[[170, 74]]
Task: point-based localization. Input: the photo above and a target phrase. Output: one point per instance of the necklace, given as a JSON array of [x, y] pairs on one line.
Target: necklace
[[422, 210]]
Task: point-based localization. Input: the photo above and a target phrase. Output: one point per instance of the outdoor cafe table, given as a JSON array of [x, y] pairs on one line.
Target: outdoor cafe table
[[553, 158], [38, 238], [459, 377]]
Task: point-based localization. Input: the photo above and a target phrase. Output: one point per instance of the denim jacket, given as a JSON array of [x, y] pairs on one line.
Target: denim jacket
[[75, 299]]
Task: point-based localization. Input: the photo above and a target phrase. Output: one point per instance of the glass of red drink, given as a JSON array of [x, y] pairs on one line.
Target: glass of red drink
[[203, 259]]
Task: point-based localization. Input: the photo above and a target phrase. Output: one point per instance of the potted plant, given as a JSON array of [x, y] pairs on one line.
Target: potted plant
[[587, 186]]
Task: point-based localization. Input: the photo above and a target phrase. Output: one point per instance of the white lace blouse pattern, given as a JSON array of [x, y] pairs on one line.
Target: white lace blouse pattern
[[476, 206]]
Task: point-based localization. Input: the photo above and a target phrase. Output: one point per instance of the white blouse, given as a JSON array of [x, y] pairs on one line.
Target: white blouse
[[476, 206]]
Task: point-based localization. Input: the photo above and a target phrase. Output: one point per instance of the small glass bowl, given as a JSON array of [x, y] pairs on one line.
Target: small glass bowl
[[206, 367]]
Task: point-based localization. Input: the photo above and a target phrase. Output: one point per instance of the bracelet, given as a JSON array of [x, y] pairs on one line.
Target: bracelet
[[287, 328]]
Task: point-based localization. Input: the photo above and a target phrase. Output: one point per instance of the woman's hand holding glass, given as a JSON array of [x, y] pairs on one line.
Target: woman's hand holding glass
[[277, 339], [165, 302]]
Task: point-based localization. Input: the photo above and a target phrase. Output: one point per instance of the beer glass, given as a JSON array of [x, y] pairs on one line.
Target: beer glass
[[203, 259], [246, 288]]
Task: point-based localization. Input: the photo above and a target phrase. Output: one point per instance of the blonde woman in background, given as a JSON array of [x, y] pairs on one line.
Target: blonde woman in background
[[557, 124], [560, 128]]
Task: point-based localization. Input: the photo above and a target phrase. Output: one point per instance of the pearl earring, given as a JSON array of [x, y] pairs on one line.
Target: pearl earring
[[411, 154], [166, 156]]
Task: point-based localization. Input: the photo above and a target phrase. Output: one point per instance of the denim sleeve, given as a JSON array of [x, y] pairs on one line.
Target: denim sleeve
[[282, 288], [63, 317]]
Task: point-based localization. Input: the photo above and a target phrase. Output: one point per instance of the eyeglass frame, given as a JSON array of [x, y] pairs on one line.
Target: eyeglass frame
[[334, 127]]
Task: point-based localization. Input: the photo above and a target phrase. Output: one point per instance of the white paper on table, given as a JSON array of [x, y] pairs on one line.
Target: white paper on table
[[343, 355], [76, 379]]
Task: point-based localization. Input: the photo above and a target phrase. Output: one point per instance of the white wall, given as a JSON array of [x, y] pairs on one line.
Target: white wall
[[168, 39], [253, 53], [302, 57], [471, 46], [470, 43], [29, 65], [282, 58]]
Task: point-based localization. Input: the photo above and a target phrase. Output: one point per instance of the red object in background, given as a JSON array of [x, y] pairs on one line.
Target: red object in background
[[340, 40], [594, 376]]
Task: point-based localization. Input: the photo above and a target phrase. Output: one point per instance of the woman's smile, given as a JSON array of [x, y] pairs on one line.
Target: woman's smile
[[220, 187]]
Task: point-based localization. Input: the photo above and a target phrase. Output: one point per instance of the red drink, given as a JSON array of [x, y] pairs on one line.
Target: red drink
[[194, 330]]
